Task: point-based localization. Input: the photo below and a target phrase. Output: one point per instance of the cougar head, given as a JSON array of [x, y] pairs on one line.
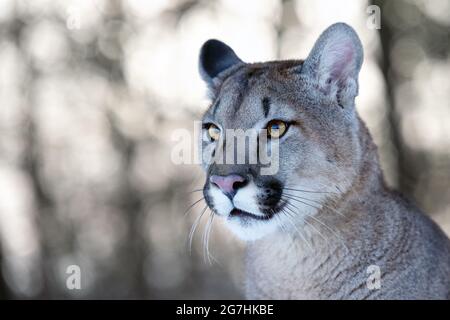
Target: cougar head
[[303, 116]]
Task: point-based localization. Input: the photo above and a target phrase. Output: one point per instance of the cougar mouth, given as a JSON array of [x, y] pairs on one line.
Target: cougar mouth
[[244, 214]]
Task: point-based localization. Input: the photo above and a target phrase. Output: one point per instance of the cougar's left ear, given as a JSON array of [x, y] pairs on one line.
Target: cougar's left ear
[[216, 57], [335, 61]]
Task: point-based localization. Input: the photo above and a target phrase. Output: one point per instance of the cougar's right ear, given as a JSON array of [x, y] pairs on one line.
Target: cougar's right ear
[[216, 57]]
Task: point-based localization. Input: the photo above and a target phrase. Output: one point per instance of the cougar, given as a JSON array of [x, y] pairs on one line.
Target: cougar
[[324, 225]]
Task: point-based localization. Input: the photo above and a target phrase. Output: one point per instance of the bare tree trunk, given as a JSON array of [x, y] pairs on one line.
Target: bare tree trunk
[[393, 118], [429, 34]]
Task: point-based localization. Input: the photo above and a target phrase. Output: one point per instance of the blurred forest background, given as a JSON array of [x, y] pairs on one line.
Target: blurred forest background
[[91, 90]]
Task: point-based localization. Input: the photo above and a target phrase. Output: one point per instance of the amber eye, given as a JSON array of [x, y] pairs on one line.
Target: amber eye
[[213, 132], [276, 129]]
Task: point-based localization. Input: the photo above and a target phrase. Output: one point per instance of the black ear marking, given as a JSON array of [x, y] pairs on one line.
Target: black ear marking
[[215, 57]]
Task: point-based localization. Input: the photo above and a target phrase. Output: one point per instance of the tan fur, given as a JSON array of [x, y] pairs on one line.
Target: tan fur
[[379, 228], [335, 217]]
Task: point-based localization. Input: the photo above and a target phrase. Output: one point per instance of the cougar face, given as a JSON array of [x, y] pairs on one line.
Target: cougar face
[[303, 109]]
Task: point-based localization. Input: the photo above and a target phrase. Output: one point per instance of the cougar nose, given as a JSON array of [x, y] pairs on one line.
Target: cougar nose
[[228, 184]]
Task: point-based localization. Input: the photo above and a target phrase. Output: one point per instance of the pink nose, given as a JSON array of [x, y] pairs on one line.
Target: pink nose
[[228, 184]]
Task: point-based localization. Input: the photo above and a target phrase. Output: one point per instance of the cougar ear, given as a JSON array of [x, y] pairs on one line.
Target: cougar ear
[[335, 61], [215, 57]]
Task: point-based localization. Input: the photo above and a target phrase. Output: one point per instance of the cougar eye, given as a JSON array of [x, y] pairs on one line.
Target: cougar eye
[[213, 132], [276, 128]]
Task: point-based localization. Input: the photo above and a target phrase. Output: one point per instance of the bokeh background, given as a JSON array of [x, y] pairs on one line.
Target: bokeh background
[[91, 91]]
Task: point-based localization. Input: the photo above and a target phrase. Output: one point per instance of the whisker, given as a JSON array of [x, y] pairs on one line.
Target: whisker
[[284, 228], [312, 217], [309, 224], [196, 190], [206, 235], [298, 231], [320, 222], [320, 186], [296, 197], [307, 191], [192, 205], [194, 227], [288, 196]]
